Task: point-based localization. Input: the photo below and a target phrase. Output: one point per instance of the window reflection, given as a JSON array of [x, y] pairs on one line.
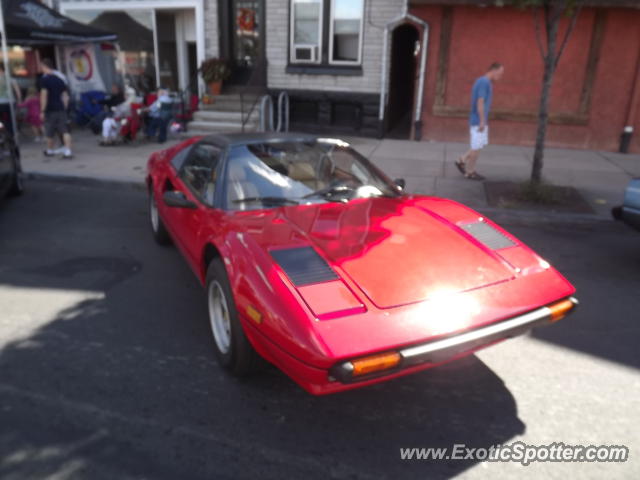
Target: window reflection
[[346, 30], [135, 37]]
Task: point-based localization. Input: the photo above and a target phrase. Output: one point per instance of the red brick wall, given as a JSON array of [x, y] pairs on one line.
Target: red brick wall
[[480, 36]]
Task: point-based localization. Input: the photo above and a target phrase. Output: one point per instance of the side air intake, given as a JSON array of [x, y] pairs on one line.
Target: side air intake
[[303, 266]]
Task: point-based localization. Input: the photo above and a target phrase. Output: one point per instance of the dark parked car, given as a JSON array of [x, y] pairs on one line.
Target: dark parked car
[[629, 211], [11, 176]]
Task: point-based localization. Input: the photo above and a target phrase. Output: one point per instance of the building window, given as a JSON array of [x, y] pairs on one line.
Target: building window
[[306, 31], [326, 32], [345, 36]]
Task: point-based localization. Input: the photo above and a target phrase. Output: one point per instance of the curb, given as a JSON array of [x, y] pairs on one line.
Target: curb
[[498, 215], [87, 181]]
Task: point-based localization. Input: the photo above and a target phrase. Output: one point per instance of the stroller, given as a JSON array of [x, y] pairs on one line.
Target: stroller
[[124, 121], [121, 127], [131, 125]]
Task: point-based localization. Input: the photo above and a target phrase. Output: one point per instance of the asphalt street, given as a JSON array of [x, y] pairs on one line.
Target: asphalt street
[[107, 369]]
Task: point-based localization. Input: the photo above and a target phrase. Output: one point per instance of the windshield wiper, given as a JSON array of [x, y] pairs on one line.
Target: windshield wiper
[[268, 200], [330, 190]]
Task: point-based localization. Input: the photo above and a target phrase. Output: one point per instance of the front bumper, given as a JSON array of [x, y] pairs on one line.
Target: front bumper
[[439, 351]]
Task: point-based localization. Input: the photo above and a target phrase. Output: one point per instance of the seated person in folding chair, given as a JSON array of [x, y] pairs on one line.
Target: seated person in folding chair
[[112, 122], [116, 97], [160, 113]]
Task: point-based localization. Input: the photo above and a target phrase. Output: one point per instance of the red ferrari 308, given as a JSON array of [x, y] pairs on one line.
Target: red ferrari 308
[[315, 260]]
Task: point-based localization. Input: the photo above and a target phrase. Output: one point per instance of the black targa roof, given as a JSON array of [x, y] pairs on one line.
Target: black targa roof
[[29, 22]]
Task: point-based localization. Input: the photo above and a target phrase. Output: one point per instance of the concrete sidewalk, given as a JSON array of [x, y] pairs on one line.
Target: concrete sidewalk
[[427, 167]]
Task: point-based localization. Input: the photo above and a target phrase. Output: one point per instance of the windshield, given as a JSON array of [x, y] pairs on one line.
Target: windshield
[[288, 173]]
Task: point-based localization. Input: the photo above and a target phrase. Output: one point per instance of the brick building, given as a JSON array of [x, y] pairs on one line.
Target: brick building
[[596, 89]]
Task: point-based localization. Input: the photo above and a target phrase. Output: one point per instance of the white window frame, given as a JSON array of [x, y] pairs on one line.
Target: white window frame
[[292, 45], [360, 39]]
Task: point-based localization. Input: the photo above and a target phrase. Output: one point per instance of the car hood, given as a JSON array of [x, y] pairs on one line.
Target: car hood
[[396, 251]]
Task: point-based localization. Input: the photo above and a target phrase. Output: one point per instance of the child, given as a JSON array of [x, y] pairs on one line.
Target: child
[[32, 104], [113, 122]]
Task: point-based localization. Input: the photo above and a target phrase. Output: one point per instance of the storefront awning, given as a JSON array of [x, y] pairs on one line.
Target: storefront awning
[[29, 22]]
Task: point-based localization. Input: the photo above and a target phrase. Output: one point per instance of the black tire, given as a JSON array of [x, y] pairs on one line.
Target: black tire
[[17, 183], [616, 213], [238, 357], [160, 234]]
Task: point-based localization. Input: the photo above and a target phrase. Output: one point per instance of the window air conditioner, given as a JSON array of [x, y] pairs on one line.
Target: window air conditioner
[[305, 53]]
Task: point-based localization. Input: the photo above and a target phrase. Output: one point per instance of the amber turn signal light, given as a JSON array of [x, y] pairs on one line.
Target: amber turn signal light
[[375, 363], [254, 314], [560, 309]]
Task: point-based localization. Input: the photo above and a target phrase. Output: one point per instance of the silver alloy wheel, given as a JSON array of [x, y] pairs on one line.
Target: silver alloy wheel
[[219, 317], [153, 212]]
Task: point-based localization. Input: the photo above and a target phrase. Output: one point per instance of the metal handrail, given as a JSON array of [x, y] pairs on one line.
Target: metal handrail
[[245, 120], [267, 113], [258, 69], [185, 97], [266, 105], [283, 111]]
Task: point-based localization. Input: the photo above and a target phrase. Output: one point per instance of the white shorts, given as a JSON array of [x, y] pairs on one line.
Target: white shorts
[[479, 139], [109, 129]]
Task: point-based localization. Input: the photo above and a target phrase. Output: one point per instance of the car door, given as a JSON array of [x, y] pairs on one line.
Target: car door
[[197, 180]]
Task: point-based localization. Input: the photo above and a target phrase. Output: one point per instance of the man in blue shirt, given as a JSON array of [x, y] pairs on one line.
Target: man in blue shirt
[[159, 116], [481, 96]]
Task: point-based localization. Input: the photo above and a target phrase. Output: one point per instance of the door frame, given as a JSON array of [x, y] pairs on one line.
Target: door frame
[[392, 98], [423, 29], [226, 21]]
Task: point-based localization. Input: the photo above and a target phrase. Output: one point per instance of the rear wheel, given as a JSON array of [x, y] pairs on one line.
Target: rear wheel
[[160, 234], [232, 348]]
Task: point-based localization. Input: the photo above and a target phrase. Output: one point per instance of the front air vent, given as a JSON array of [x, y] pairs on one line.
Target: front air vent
[[488, 235], [303, 266]]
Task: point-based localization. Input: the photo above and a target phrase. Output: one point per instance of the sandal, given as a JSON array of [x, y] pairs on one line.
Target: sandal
[[461, 166], [474, 176]]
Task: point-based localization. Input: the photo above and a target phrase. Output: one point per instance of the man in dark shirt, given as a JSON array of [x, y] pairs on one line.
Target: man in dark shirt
[[54, 100]]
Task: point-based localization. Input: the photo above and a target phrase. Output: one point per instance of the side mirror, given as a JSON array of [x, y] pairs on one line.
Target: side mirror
[[400, 183], [177, 199]]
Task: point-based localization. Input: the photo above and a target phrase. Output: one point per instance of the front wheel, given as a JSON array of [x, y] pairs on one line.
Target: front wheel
[[17, 182], [160, 234], [232, 348]]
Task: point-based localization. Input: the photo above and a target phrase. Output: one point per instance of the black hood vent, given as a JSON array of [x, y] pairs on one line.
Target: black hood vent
[[303, 266], [488, 235]]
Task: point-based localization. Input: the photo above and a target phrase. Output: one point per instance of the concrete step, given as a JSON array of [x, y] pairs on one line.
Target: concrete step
[[219, 126], [216, 115], [230, 103]]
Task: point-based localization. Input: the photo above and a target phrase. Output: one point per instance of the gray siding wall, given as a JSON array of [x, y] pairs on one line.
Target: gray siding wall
[[377, 14]]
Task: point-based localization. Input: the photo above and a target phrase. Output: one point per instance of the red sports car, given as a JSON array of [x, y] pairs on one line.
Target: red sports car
[[315, 260]]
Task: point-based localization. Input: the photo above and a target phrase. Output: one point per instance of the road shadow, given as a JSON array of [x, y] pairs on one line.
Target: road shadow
[[121, 382], [602, 260]]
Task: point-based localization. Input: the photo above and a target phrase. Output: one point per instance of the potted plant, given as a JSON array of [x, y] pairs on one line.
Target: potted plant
[[213, 72], [207, 99]]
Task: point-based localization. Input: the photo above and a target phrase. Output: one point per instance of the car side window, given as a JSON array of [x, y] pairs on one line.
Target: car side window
[[199, 171], [178, 159]]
